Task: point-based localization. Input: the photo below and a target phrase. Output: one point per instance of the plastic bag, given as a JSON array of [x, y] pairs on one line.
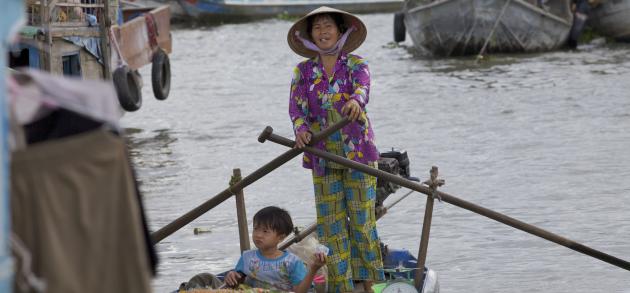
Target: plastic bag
[[305, 250]]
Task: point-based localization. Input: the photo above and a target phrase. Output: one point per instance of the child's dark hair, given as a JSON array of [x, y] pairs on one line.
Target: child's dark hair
[[336, 17], [274, 218]]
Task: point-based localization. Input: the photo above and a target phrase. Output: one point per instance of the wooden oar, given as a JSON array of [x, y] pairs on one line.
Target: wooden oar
[[311, 228], [268, 134], [180, 222]]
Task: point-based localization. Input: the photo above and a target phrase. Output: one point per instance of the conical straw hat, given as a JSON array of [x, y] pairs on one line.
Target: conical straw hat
[[355, 39]]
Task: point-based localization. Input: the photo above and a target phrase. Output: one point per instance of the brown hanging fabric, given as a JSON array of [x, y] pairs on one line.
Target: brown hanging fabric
[[75, 205]]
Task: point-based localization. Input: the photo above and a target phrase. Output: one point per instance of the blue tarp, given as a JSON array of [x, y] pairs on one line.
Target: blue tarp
[[91, 44]]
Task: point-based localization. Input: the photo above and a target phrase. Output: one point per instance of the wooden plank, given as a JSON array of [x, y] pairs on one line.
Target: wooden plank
[[45, 21], [133, 37], [70, 24], [59, 32], [162, 17], [51, 6], [134, 43], [105, 26], [80, 5]]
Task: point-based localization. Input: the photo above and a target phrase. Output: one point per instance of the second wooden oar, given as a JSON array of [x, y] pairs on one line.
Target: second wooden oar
[[311, 228], [268, 134], [180, 222]]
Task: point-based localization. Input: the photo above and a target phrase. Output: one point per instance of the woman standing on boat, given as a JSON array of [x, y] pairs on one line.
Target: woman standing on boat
[[330, 84]]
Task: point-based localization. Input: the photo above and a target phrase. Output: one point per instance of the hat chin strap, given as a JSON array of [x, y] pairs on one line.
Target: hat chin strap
[[332, 51]]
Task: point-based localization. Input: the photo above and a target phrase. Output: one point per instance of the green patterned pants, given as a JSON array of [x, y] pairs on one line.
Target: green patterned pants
[[346, 223]]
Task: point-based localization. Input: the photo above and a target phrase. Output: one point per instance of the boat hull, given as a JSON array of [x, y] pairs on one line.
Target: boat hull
[[612, 19], [244, 10], [461, 27]]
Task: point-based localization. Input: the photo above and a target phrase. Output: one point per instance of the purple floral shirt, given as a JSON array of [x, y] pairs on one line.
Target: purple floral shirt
[[315, 98]]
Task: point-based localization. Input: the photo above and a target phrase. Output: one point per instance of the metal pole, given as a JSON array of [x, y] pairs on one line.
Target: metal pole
[[243, 233]]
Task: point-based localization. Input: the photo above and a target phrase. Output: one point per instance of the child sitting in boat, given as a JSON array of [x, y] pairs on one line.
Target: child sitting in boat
[[268, 267]]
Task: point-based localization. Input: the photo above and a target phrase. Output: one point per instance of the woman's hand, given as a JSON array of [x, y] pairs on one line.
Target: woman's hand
[[302, 139], [233, 278], [352, 110]]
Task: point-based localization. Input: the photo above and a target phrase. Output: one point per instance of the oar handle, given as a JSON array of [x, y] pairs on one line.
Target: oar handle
[[264, 135], [267, 133], [460, 203]]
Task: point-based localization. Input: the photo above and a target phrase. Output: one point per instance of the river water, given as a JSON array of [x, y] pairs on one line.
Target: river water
[[544, 138]]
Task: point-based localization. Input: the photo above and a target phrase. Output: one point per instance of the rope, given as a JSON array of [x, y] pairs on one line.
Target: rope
[[121, 60], [233, 181], [494, 27], [297, 236], [152, 30], [434, 183]]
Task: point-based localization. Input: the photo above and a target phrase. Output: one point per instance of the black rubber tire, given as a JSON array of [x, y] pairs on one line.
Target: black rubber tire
[[161, 75], [399, 27], [128, 88]]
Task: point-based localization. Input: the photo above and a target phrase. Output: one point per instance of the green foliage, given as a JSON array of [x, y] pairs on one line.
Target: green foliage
[[285, 16], [588, 34]]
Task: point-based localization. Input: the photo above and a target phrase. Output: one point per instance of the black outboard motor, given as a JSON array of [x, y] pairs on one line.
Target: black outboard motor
[[395, 162]]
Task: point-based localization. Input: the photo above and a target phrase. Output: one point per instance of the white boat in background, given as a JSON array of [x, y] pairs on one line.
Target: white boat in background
[[130, 5], [466, 27], [219, 10], [611, 18]]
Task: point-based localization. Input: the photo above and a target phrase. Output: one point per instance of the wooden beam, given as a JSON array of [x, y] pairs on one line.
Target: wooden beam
[[51, 6], [241, 215], [59, 32], [69, 24], [106, 25], [80, 5], [133, 37], [45, 22]]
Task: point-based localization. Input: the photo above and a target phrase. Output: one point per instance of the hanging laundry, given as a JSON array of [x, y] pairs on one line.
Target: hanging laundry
[[75, 203]]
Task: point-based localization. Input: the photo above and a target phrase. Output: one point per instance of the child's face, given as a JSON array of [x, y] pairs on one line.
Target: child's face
[[266, 238]]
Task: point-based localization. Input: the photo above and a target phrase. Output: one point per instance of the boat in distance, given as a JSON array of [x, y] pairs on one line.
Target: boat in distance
[[256, 9], [464, 27]]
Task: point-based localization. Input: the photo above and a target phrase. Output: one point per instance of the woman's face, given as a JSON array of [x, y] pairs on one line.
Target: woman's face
[[325, 32]]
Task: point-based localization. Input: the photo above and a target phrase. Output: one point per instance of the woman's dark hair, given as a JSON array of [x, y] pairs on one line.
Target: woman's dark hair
[[336, 17], [274, 218]]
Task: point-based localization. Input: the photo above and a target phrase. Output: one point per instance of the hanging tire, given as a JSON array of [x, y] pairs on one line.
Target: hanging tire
[[399, 27], [161, 75], [128, 88]]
